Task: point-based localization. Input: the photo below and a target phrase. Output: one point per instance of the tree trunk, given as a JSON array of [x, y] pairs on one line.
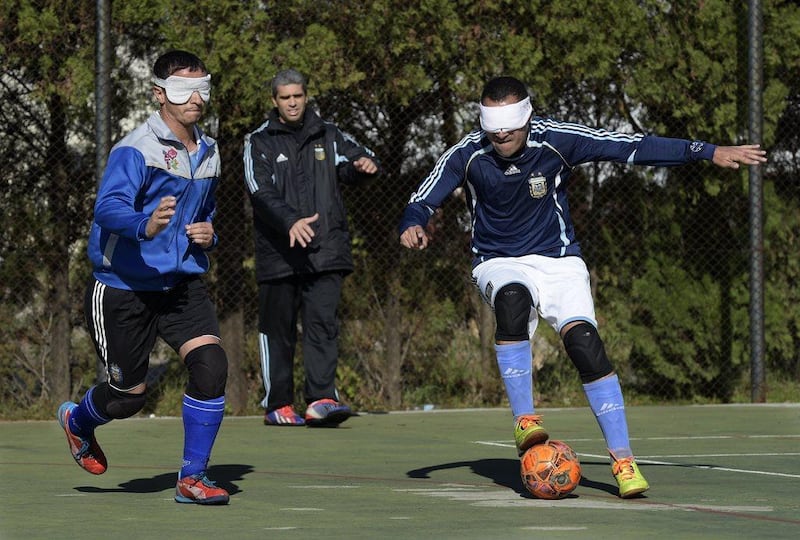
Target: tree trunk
[[57, 375], [229, 225], [392, 372], [232, 330]]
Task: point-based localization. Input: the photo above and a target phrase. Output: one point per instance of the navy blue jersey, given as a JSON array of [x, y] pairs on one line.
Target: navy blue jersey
[[519, 205]]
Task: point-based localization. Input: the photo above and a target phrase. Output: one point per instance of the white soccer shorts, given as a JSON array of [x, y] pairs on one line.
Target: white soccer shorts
[[559, 286]]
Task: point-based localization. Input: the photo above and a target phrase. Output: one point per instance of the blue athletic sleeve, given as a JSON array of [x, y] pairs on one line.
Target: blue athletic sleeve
[[415, 214], [447, 175], [666, 152], [115, 209], [578, 144]]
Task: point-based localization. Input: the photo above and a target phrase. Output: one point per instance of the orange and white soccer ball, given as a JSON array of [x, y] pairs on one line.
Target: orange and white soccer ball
[[550, 470]]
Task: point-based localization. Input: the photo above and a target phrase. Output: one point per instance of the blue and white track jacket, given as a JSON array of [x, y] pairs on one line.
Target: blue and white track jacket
[[150, 163], [519, 205]]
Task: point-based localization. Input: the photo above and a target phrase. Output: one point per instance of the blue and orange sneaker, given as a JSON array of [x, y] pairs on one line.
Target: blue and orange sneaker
[[85, 451], [284, 416], [198, 489], [327, 413]]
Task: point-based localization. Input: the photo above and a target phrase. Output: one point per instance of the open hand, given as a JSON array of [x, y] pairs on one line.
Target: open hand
[[302, 232], [731, 156]]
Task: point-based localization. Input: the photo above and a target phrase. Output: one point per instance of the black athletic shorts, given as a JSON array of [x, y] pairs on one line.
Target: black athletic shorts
[[124, 325]]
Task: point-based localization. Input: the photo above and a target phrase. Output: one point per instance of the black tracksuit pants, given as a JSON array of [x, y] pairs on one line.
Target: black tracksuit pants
[[316, 298]]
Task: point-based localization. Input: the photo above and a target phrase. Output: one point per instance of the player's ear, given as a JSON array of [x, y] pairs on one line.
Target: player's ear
[[159, 94]]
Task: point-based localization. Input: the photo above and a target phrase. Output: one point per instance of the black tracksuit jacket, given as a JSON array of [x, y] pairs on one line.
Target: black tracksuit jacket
[[292, 173]]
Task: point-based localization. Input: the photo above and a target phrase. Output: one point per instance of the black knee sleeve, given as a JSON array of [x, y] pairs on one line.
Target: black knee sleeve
[[512, 308], [115, 403], [586, 350], [208, 372]]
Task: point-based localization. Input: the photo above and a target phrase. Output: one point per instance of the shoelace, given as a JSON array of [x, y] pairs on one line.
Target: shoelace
[[206, 481], [526, 421], [84, 451], [86, 446], [287, 412], [201, 479], [624, 468]]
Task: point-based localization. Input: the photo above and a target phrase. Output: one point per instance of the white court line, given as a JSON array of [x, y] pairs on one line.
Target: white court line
[[507, 498], [645, 460], [685, 438], [700, 438], [494, 443], [650, 459], [752, 454], [325, 487], [535, 528]]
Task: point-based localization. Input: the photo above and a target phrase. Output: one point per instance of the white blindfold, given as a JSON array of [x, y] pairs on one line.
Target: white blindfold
[[506, 117], [180, 89]]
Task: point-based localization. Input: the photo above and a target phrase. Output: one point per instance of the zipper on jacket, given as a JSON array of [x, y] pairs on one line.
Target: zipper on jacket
[[178, 231]]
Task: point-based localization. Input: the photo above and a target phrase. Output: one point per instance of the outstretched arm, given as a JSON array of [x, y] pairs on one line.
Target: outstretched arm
[[731, 156]]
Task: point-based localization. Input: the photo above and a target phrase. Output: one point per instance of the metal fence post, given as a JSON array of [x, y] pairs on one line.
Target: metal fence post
[[755, 90], [102, 93]]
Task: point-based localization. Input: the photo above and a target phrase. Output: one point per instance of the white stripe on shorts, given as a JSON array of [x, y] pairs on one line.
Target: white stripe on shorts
[[98, 320]]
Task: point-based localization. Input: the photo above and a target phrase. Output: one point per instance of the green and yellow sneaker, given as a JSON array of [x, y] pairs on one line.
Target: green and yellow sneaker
[[528, 432], [630, 479]]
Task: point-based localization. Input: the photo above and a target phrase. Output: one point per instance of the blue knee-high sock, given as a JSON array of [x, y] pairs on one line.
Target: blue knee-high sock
[[605, 399], [86, 416], [515, 361], [201, 421]]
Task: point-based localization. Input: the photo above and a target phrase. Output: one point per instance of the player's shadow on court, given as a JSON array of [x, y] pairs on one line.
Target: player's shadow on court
[[505, 473], [613, 489], [223, 476]]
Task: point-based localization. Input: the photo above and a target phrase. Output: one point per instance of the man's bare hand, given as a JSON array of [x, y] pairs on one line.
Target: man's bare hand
[[302, 232], [414, 237], [731, 156], [201, 233], [365, 165], [161, 216]]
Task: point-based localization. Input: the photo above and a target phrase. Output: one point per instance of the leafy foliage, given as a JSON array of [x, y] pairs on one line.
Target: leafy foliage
[[667, 249]]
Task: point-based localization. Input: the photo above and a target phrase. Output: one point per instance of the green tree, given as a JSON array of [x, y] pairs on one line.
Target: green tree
[[404, 78], [47, 81]]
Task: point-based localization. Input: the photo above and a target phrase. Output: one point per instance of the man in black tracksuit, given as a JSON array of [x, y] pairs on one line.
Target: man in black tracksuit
[[293, 165]]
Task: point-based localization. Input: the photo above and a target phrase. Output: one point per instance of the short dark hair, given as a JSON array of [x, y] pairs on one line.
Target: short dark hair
[[499, 88], [172, 61], [288, 76]]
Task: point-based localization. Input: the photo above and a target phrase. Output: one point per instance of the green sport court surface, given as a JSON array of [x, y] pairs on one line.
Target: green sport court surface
[[729, 471]]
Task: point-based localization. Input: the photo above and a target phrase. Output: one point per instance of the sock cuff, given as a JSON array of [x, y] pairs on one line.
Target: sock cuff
[[614, 379], [211, 405], [512, 347]]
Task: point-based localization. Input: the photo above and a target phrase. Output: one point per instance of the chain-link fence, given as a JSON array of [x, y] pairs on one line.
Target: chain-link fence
[[668, 249]]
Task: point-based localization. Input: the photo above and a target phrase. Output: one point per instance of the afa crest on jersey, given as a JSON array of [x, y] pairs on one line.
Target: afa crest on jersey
[[537, 185]]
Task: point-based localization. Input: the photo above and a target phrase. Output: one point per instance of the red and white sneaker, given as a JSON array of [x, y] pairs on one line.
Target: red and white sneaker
[[198, 489], [327, 413], [285, 416], [85, 451]]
